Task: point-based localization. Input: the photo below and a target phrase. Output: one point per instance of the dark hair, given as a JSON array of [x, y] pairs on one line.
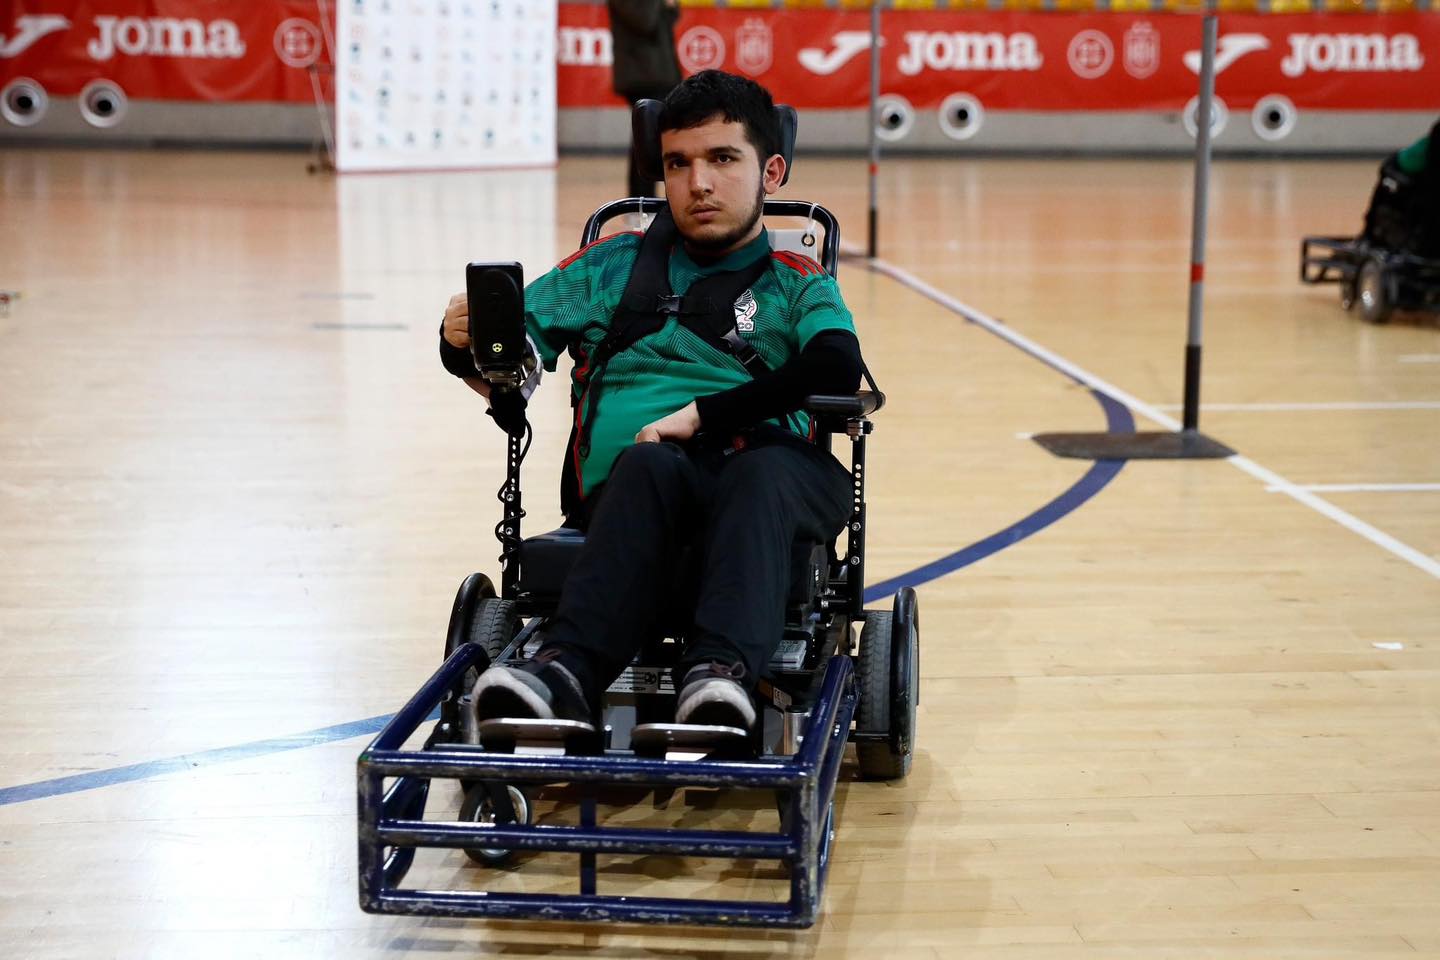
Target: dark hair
[[737, 99]]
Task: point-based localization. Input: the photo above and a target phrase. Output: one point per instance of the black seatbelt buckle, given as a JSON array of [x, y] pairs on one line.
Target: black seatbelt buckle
[[669, 304]]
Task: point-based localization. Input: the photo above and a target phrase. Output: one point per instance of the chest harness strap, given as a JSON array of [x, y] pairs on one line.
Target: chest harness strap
[[707, 309]]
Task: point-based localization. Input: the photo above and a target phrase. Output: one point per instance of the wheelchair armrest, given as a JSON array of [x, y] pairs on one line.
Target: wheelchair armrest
[[854, 407]]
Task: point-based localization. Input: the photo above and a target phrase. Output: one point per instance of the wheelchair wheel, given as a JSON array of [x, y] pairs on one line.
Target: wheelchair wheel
[[888, 673], [479, 807], [492, 626], [490, 622], [1375, 291]]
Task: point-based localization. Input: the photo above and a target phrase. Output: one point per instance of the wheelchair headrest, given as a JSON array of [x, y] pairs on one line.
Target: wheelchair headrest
[[645, 137]]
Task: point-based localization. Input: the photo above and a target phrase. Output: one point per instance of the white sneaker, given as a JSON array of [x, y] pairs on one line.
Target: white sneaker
[[711, 695]]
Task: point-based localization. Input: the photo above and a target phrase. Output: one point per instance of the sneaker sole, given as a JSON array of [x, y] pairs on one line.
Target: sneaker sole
[[715, 704], [716, 713]]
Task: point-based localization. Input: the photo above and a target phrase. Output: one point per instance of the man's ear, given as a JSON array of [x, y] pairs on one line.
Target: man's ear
[[774, 173]]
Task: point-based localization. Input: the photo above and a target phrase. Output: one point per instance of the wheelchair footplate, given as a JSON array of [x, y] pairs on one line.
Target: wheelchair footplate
[[688, 741], [790, 854], [511, 735]]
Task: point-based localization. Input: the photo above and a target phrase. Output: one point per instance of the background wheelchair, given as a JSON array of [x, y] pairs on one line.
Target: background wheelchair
[[841, 674], [1394, 264]]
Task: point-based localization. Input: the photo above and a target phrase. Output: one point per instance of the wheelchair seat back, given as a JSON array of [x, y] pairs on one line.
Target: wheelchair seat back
[[1404, 210]]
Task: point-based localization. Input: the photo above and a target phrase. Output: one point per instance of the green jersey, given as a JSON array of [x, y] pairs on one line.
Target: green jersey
[[571, 307]]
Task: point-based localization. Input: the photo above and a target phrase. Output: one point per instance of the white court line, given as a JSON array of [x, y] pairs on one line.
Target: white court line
[[1273, 480], [1420, 358], [1321, 405], [1366, 487]]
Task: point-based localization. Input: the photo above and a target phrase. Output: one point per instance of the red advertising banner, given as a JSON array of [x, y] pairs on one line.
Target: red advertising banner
[[208, 50], [1037, 61], [165, 49]]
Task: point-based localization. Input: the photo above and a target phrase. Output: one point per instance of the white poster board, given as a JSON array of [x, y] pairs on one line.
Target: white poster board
[[444, 84]]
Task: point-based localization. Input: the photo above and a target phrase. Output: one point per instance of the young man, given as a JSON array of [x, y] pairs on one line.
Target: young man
[[681, 447]]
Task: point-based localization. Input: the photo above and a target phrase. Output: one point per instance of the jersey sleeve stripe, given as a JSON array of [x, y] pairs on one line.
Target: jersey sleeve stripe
[[590, 246], [784, 257], [797, 262]]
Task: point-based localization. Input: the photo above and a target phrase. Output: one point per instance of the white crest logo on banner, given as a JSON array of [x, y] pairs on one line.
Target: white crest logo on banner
[[754, 47], [298, 43], [701, 48], [1091, 54], [1142, 50]]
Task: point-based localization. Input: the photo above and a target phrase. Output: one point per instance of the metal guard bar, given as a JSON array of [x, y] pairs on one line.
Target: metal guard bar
[[536, 906], [390, 828], [695, 843]]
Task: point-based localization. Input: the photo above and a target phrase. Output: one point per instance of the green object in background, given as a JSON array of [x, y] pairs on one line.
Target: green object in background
[[1412, 158]]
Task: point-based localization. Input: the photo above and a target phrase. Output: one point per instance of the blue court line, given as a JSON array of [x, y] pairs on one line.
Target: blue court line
[[1118, 420], [188, 761]]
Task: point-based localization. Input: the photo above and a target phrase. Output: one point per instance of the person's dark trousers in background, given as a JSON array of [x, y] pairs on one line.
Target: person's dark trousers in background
[[644, 66]]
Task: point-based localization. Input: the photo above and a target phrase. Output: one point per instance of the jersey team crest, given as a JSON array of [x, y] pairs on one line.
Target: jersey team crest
[[745, 308]]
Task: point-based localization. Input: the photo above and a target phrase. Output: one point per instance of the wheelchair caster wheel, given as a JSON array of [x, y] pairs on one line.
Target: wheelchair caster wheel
[[1375, 291], [479, 807]]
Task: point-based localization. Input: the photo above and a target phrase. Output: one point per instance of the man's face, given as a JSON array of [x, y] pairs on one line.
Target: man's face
[[715, 184]]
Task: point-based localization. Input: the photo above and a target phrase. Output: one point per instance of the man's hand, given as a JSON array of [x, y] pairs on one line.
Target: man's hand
[[680, 425], [457, 333], [457, 321]]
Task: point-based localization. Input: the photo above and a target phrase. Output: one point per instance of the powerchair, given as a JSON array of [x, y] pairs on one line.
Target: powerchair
[[825, 688]]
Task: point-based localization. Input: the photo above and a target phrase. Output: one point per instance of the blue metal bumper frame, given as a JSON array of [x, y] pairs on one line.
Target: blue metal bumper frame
[[391, 825]]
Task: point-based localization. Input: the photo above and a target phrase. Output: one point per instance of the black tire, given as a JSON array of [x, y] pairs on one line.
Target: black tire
[[492, 626], [905, 697], [889, 640], [1375, 291], [477, 808], [479, 617]]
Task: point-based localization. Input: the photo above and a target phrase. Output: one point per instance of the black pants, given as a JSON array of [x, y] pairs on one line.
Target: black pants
[[735, 515]]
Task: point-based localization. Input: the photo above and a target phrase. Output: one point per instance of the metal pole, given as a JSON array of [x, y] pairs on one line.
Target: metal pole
[[325, 19], [1197, 237], [318, 88], [873, 246]]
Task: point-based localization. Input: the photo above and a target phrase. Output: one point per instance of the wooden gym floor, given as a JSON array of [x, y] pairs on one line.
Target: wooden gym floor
[[1197, 715]]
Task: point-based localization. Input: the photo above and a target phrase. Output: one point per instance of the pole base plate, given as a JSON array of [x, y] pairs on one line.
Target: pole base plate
[[1153, 445]]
